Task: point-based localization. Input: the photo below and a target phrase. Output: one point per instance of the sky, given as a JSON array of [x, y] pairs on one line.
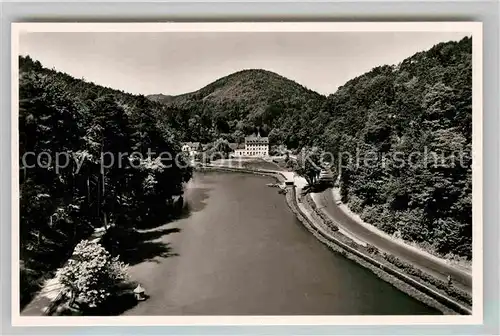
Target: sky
[[174, 63]]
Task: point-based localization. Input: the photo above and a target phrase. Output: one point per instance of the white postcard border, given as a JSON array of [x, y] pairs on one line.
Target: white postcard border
[[474, 28]]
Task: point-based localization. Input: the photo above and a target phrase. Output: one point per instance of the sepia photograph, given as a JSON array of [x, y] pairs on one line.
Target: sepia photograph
[[183, 173]]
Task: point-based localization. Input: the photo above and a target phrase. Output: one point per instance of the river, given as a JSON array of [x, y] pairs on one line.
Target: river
[[240, 251]]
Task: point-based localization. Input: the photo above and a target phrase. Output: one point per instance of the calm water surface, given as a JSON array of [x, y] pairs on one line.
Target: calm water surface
[[241, 251]]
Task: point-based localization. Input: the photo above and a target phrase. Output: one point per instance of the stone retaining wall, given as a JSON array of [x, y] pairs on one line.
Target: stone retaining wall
[[293, 200]]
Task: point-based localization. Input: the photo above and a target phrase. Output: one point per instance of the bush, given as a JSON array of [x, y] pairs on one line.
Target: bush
[[353, 244], [442, 285], [371, 213], [355, 204], [326, 220], [412, 225], [372, 249], [91, 274], [379, 216]]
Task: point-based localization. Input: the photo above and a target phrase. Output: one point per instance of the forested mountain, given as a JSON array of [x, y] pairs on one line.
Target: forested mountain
[[422, 105], [241, 103], [70, 120]]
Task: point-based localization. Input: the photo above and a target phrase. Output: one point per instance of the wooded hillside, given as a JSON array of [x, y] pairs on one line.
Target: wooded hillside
[[73, 121], [242, 103], [423, 104]]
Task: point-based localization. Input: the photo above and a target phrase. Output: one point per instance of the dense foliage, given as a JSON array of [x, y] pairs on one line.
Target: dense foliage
[[68, 187], [420, 106], [451, 290], [243, 103], [308, 164], [394, 118], [92, 274]]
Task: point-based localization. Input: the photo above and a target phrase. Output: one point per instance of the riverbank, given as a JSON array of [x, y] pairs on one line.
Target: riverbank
[[417, 283], [431, 293], [352, 251], [464, 265], [239, 250], [49, 296], [410, 259], [197, 263]]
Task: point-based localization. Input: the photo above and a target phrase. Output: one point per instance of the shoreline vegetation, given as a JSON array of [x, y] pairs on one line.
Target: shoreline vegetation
[[432, 291], [452, 259], [400, 135], [424, 102], [70, 133], [391, 260]]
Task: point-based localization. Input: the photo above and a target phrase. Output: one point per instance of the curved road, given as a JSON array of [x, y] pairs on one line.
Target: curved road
[[425, 262]]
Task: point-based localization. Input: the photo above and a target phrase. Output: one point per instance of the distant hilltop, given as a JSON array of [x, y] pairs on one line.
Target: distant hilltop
[[241, 104]]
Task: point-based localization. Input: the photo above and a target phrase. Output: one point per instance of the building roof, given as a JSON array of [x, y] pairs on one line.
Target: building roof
[[191, 144], [234, 145], [256, 138]]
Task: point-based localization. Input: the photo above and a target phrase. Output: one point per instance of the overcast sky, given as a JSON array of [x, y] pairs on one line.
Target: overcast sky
[[175, 63]]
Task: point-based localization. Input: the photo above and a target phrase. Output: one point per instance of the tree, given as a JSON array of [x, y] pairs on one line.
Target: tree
[[91, 275], [421, 106], [239, 136], [62, 204], [276, 136], [308, 164], [221, 146]]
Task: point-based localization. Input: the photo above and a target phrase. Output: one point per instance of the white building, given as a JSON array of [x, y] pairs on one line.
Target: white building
[[255, 146], [191, 148]]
